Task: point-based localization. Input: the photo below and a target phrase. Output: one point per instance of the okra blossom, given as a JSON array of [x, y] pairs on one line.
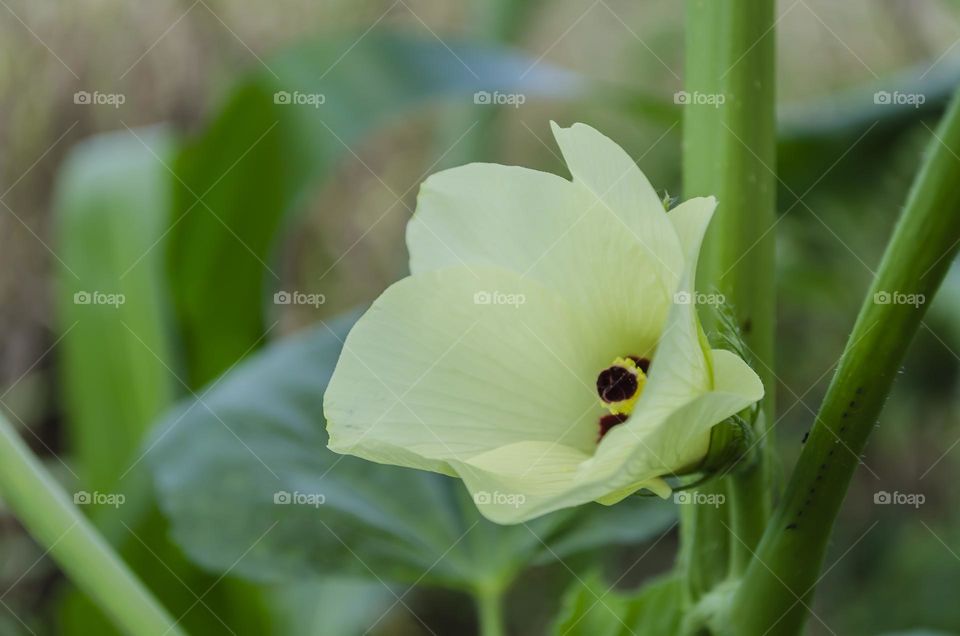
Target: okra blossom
[[546, 348]]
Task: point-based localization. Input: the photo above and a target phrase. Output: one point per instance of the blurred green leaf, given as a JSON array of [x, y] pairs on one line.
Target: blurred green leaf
[[331, 607], [919, 632], [118, 363], [593, 608], [239, 181], [111, 206], [623, 524], [258, 434]]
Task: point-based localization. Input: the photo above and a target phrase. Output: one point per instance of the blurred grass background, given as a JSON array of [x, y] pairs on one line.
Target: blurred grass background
[[895, 567]]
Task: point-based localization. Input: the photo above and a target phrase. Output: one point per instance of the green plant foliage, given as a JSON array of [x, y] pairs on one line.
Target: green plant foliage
[[335, 606], [119, 362], [281, 129], [593, 608], [112, 201], [258, 437]]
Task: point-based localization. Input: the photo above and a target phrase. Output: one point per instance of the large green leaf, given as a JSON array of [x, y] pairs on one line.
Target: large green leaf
[[239, 180], [118, 364], [593, 608], [111, 206], [330, 607], [219, 463]]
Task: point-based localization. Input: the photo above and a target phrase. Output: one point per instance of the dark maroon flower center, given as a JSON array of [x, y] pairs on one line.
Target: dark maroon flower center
[[609, 421], [615, 384], [618, 386]]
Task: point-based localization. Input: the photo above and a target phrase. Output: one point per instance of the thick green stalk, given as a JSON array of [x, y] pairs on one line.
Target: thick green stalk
[[729, 151], [704, 543], [776, 591], [47, 512], [489, 603]]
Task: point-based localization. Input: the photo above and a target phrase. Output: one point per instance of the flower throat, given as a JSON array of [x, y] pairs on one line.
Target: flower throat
[[619, 387]]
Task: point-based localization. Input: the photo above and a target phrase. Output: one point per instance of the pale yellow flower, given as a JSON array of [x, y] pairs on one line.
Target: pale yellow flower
[[545, 348]]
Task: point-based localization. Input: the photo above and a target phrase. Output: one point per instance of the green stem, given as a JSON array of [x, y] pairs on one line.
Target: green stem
[[489, 602], [750, 510], [704, 542], [730, 151], [51, 518], [778, 585]]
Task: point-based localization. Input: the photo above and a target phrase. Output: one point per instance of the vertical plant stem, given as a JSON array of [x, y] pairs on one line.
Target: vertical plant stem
[[775, 592], [704, 542], [490, 610], [48, 514], [729, 151]]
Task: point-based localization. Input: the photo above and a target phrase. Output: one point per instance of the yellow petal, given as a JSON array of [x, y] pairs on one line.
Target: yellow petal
[[451, 363]]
